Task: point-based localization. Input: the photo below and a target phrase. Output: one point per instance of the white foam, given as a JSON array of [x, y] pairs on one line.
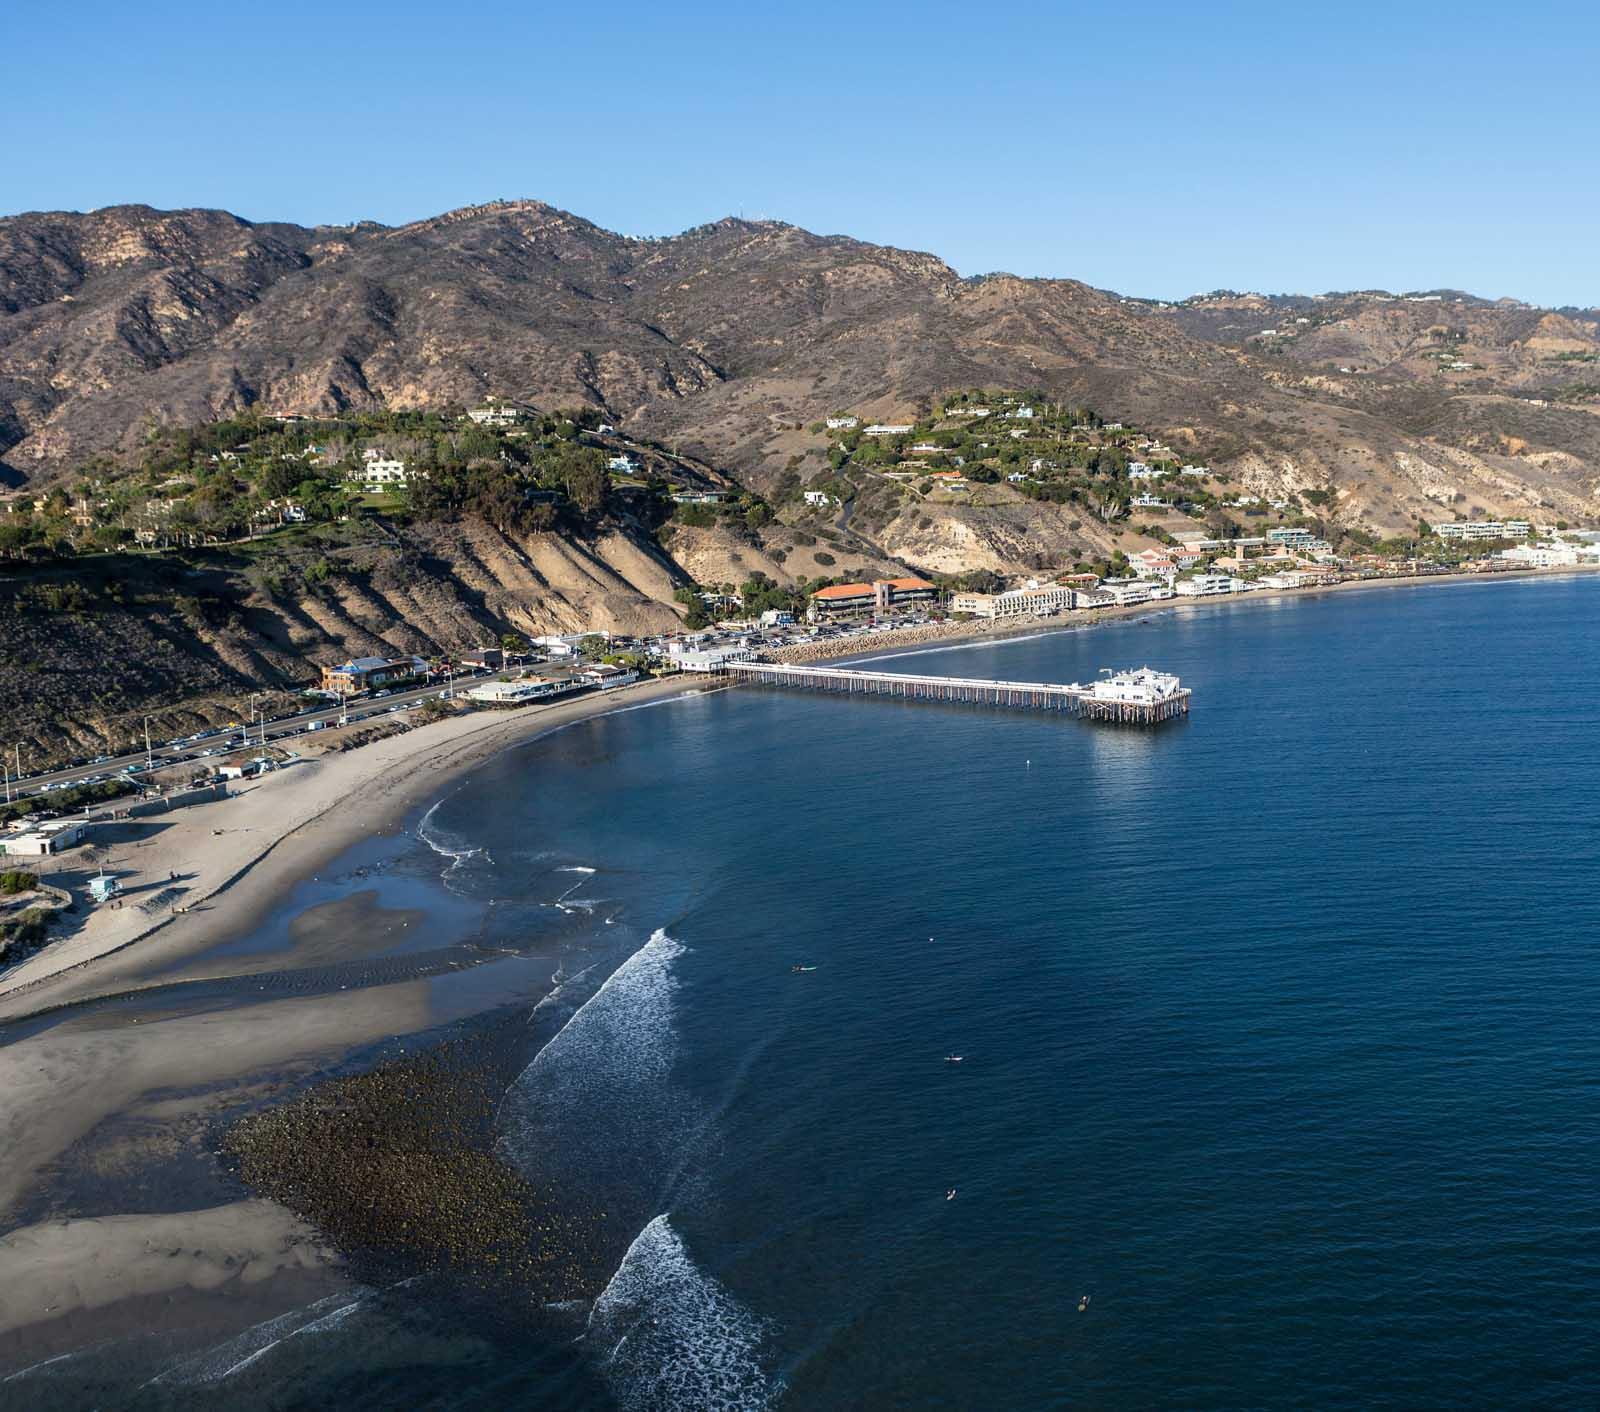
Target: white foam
[[575, 868], [668, 1335], [34, 1368], [970, 645], [614, 1055], [236, 1354], [445, 845]]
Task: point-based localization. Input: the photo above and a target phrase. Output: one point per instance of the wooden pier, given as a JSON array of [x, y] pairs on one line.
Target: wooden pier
[[1142, 698]]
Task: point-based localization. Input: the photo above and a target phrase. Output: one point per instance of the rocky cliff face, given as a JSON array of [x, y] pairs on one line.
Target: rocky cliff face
[[85, 653]]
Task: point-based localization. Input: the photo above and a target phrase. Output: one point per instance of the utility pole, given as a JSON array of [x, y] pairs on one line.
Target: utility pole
[[8, 781], [149, 755]]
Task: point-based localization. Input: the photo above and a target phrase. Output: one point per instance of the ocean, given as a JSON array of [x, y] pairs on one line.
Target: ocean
[[1280, 1064]]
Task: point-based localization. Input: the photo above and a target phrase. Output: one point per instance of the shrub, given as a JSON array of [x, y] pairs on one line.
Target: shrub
[[14, 882]]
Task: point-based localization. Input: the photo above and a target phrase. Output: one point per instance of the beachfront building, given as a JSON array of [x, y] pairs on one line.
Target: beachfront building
[[1033, 598], [847, 600], [608, 675], [42, 840], [522, 690], [1542, 556], [1209, 585], [1471, 530], [693, 655], [365, 673], [1125, 594]]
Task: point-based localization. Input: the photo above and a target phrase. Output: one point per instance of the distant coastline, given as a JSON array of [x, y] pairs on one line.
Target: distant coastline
[[344, 798], [280, 832], [932, 636]]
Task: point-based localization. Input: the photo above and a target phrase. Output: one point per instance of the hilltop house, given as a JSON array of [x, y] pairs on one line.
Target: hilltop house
[[843, 423], [887, 429], [378, 471], [495, 414]]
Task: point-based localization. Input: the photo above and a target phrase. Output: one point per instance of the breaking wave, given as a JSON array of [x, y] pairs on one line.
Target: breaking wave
[[668, 1335], [613, 1057], [236, 1354]]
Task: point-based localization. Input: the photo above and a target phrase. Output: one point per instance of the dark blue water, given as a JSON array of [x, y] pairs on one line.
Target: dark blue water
[[1279, 1030]]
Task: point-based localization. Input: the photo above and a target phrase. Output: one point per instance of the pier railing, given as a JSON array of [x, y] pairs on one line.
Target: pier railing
[[1136, 708]]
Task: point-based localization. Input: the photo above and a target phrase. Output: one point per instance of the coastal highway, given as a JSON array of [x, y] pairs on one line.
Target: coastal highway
[[213, 747]]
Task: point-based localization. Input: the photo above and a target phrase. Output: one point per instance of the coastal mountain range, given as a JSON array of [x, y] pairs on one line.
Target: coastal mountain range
[[727, 340], [722, 348]]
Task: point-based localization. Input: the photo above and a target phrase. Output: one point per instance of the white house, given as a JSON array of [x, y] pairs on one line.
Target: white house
[[1126, 595], [493, 414], [820, 498], [843, 423], [514, 693], [1208, 585], [1484, 529], [705, 659], [622, 465], [887, 429], [1542, 556], [1023, 414], [378, 470]]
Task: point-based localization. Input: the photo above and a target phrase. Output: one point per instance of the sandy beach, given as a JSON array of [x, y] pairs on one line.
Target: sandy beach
[[123, 1087], [233, 857], [68, 1073]]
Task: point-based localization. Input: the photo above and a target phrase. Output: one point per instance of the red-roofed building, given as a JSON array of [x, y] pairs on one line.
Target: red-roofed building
[[844, 600]]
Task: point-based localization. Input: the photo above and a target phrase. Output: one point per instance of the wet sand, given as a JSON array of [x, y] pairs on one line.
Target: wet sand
[[68, 1071], [236, 857], [127, 1049]]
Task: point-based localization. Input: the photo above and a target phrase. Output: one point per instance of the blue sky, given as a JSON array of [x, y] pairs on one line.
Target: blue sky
[[1158, 149]]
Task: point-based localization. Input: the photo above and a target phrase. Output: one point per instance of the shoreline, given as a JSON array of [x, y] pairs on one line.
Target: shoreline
[[303, 816], [62, 1083], [252, 847], [933, 637]]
